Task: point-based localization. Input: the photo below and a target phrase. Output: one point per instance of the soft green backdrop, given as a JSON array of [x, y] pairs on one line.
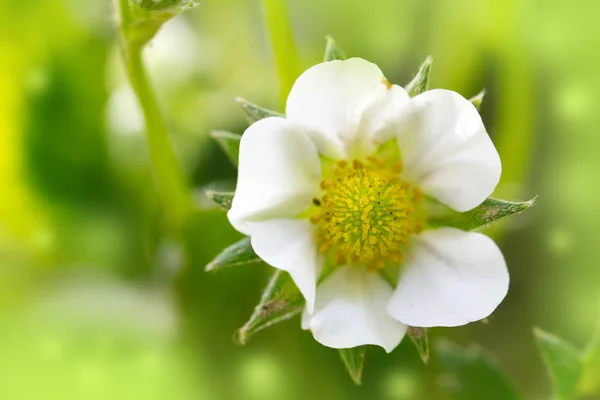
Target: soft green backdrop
[[97, 302]]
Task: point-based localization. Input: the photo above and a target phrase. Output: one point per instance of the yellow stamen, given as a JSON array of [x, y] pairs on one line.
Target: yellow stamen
[[366, 213], [378, 162], [398, 167], [325, 184], [417, 194], [375, 265], [419, 226], [387, 83]]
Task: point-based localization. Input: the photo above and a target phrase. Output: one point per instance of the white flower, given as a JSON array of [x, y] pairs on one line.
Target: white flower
[[338, 183]]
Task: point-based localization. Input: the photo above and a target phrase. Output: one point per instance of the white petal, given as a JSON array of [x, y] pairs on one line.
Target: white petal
[[328, 98], [305, 321], [450, 278], [446, 149], [379, 114], [279, 173], [289, 245], [350, 311]]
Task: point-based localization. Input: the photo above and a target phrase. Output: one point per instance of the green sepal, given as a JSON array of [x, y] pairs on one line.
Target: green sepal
[[488, 212], [474, 374], [420, 82], [254, 112], [332, 52], [563, 362], [222, 199], [281, 300], [478, 99], [239, 253], [419, 338], [354, 360], [230, 143]]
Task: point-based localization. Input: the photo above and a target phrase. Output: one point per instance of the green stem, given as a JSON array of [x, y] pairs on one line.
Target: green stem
[[124, 13], [515, 128], [168, 175], [282, 41]]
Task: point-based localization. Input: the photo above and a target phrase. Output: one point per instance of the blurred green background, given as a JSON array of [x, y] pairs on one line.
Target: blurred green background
[[99, 301]]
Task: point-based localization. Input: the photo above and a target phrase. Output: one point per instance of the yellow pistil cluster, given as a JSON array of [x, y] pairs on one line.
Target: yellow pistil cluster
[[366, 213]]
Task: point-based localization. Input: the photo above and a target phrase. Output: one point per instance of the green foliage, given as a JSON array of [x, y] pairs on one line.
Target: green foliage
[[589, 384], [278, 25], [490, 211], [563, 362], [70, 165], [280, 301], [478, 99], [222, 199], [255, 112], [239, 253], [87, 196], [420, 82], [474, 374], [354, 360], [332, 52], [230, 143], [420, 339]]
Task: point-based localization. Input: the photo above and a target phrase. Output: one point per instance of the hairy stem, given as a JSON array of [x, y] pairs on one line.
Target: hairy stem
[[168, 175]]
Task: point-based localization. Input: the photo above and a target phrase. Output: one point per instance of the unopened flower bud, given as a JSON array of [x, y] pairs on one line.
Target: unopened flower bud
[[153, 5], [145, 17]]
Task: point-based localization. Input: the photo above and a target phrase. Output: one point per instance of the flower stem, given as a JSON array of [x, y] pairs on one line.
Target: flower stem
[[168, 175], [282, 41]]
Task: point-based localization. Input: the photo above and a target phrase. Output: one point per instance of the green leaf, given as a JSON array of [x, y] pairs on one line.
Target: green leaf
[[354, 360], [222, 199], [420, 82], [332, 52], [478, 99], [280, 301], [419, 338], [589, 384], [230, 143], [491, 210], [239, 253], [255, 112], [563, 361], [473, 374]]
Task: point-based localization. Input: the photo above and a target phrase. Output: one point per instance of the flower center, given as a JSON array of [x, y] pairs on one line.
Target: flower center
[[366, 213]]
